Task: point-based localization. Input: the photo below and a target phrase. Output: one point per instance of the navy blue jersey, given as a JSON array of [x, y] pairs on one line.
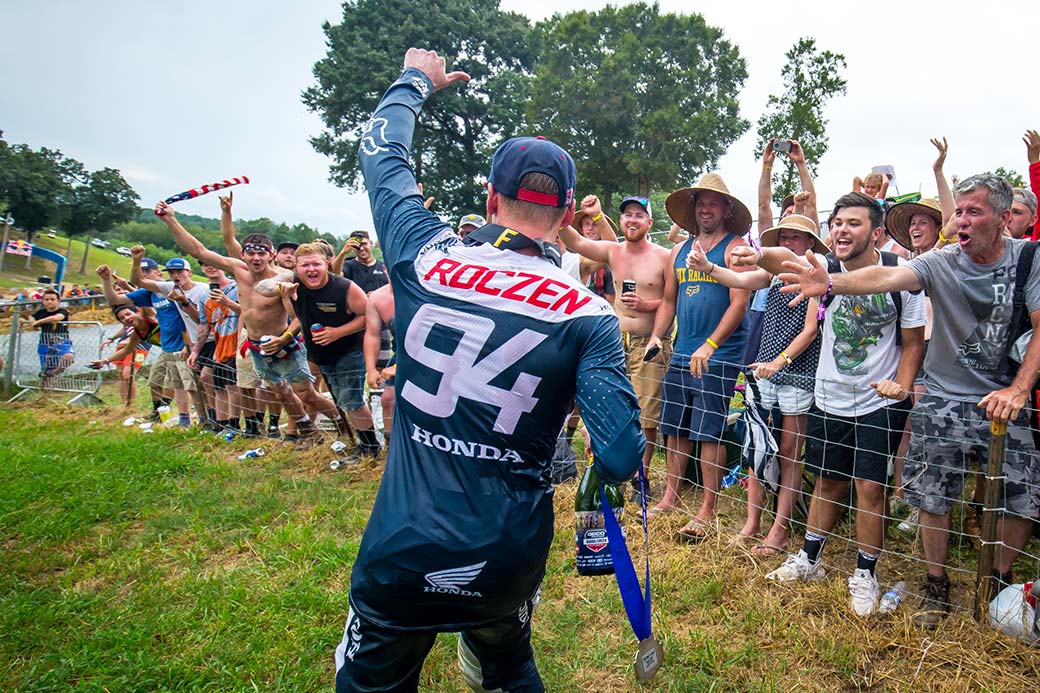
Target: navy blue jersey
[[492, 347]]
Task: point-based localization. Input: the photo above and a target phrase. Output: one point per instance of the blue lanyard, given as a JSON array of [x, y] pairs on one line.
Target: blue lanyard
[[637, 603]]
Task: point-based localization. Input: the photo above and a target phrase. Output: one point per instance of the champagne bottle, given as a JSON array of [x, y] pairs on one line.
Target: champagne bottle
[[592, 546]]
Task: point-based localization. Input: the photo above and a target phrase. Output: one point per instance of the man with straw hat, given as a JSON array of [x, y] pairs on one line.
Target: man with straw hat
[[709, 342], [640, 268], [785, 369]]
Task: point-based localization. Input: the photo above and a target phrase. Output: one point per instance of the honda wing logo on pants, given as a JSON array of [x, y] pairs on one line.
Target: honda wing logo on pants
[[452, 580]]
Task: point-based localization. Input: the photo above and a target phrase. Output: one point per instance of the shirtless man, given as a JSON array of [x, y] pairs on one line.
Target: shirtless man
[[280, 361], [640, 268], [254, 396]]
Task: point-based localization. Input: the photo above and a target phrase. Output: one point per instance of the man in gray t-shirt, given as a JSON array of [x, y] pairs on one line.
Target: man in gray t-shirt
[[971, 285]]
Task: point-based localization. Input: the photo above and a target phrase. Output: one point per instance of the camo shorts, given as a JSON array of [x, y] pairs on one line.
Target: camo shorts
[[942, 432]]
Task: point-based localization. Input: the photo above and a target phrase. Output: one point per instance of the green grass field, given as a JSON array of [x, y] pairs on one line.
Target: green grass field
[[154, 562]]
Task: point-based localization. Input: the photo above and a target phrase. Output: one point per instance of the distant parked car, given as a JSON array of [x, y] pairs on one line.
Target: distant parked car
[[98, 243], [123, 250], [52, 234]]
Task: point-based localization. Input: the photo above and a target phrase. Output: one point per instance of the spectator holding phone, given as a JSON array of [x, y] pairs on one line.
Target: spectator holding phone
[[363, 269]]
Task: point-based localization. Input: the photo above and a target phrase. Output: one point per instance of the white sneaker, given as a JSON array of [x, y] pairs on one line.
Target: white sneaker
[[911, 521], [797, 567], [864, 590]]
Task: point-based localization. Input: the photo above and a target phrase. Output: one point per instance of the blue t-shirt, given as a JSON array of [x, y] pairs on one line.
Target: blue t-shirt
[[171, 326], [493, 346]]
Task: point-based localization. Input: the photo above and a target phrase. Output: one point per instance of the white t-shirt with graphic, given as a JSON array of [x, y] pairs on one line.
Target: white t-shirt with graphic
[[859, 347]]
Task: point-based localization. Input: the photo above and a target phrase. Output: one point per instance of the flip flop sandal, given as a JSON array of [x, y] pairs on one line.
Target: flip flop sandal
[[694, 531], [655, 511], [768, 551]]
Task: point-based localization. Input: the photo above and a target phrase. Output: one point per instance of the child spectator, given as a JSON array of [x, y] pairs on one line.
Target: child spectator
[[55, 347]]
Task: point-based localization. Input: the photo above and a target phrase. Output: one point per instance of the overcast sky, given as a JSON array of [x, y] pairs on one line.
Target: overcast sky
[[177, 94]]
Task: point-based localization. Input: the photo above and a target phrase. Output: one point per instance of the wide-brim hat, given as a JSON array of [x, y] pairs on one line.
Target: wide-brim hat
[[680, 205], [581, 214], [897, 219], [794, 222], [786, 202]]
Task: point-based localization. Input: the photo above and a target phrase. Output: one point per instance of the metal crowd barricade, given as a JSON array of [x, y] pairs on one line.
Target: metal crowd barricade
[[72, 372]]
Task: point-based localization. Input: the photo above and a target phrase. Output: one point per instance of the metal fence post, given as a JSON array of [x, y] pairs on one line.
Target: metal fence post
[[12, 352], [994, 486]]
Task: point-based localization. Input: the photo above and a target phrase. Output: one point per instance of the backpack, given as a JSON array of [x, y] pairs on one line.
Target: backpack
[[1020, 331], [1020, 327], [888, 260]]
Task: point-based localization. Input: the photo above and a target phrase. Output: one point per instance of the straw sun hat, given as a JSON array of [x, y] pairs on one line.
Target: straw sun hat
[[897, 220], [680, 205], [794, 222]]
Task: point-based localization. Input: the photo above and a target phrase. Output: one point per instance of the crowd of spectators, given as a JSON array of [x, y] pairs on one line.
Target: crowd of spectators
[[883, 378]]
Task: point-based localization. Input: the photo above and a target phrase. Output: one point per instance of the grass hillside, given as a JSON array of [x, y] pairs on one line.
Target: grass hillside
[[13, 275], [142, 562]]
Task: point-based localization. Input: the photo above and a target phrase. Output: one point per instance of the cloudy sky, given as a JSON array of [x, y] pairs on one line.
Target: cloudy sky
[[179, 93]]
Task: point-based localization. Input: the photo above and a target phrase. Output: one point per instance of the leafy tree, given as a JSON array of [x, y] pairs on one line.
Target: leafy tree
[[459, 127], [1013, 177], [103, 201], [36, 184], [811, 78], [642, 100]]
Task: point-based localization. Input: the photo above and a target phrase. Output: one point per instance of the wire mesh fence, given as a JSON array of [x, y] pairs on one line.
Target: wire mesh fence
[[953, 445], [57, 360]]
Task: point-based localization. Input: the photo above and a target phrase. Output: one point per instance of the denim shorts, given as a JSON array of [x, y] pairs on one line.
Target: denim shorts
[[291, 368], [346, 380], [696, 408]]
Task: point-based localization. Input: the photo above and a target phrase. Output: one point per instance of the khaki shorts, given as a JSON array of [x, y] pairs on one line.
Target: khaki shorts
[[646, 376], [245, 372], [169, 370]]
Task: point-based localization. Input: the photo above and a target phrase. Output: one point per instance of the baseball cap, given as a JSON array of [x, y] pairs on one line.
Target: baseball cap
[[1026, 197], [472, 220], [643, 202], [149, 264], [283, 246], [177, 263], [519, 156]]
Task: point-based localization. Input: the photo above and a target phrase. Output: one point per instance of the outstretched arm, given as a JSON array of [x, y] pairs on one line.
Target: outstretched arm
[[765, 188], [111, 296], [227, 226], [808, 193], [946, 201], [808, 277], [755, 279], [597, 251], [192, 245], [402, 223]]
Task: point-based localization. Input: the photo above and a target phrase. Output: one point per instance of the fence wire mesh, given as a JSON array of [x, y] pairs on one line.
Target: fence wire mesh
[[959, 452]]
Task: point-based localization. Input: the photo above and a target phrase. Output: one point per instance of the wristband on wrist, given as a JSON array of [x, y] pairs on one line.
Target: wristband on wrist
[[289, 334], [598, 217], [823, 299], [711, 342], [786, 357], [713, 266]]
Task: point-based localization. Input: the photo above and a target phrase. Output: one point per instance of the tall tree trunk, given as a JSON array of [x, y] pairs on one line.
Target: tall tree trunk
[[3, 248], [86, 251], [68, 251]]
